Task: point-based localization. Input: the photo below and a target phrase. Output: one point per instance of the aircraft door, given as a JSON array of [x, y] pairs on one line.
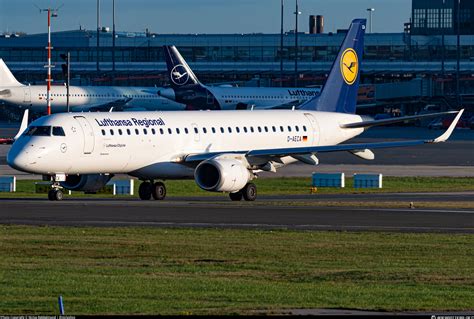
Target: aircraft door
[[315, 128], [26, 95], [88, 134]]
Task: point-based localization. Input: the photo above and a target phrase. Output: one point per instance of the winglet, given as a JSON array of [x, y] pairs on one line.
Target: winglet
[[23, 126], [450, 129]]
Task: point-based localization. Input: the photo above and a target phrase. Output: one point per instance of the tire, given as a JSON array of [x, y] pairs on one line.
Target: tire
[[58, 195], [159, 191], [144, 191], [236, 196], [51, 194], [250, 192]]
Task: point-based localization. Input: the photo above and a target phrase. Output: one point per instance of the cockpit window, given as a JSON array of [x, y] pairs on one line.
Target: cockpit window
[[58, 131], [39, 131]]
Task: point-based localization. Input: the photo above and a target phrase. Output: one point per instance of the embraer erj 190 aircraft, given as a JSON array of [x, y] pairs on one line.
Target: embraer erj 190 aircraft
[[222, 150], [186, 89], [81, 98]]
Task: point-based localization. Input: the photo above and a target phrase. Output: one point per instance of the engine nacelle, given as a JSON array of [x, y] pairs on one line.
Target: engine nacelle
[[89, 183], [222, 174]]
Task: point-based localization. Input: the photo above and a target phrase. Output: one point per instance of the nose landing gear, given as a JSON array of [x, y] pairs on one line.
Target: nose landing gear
[[56, 193]]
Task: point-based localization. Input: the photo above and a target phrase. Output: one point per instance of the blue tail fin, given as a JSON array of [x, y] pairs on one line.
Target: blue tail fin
[[179, 71], [339, 94]]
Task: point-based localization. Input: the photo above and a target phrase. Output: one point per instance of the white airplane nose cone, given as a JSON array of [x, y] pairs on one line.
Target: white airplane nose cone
[[18, 160]]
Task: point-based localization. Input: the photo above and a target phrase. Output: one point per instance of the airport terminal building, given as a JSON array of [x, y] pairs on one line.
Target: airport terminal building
[[413, 68]]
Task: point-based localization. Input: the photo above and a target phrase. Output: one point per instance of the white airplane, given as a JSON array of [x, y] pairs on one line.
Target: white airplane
[[223, 151], [186, 89], [81, 98]]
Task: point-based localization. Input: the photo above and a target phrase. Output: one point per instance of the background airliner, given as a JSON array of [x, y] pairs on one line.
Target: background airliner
[[81, 98], [222, 150], [186, 89]]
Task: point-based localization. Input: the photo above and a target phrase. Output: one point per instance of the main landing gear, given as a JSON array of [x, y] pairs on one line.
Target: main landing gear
[[249, 193], [147, 190]]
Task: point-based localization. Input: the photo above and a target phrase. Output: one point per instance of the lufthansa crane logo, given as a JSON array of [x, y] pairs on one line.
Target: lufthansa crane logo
[[179, 75], [349, 66]]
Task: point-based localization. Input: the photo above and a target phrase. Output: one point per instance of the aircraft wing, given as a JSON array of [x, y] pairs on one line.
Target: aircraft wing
[[116, 104], [394, 120], [281, 152]]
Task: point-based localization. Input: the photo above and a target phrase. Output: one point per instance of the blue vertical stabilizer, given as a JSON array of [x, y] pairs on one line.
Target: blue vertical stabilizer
[[339, 94]]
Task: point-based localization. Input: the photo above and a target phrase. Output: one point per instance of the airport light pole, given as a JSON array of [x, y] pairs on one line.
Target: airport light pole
[[113, 39], [98, 34], [67, 73], [370, 18], [297, 13], [458, 53], [52, 13], [281, 44]]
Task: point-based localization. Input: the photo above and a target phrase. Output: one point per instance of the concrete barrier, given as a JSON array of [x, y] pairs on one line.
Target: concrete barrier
[[328, 180], [367, 180], [8, 184]]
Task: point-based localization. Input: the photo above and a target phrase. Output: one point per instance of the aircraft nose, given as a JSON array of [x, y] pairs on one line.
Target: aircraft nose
[[18, 159]]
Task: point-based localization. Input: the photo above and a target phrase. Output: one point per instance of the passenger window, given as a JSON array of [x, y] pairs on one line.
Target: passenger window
[[186, 130], [229, 129], [120, 132], [169, 131], [259, 129], [222, 130], [274, 129], [128, 131], [58, 131], [204, 130], [251, 129], [237, 129], [111, 132], [266, 129], [289, 128], [103, 132], [196, 130], [245, 129], [304, 128], [214, 130], [282, 129], [177, 131], [297, 128], [136, 131], [145, 131], [153, 131], [161, 131]]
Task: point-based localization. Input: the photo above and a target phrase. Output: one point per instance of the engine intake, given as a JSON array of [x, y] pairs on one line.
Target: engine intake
[[89, 183], [222, 175]]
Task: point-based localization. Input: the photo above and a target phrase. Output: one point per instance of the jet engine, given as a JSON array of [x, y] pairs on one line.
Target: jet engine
[[222, 174], [89, 183]]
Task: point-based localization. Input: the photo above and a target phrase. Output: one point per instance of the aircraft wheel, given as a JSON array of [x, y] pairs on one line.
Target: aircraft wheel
[[159, 191], [236, 196], [55, 195], [51, 194], [145, 190], [250, 192]]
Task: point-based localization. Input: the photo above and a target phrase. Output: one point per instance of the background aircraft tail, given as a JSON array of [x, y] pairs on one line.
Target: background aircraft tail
[[179, 71], [339, 93], [6, 76]]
